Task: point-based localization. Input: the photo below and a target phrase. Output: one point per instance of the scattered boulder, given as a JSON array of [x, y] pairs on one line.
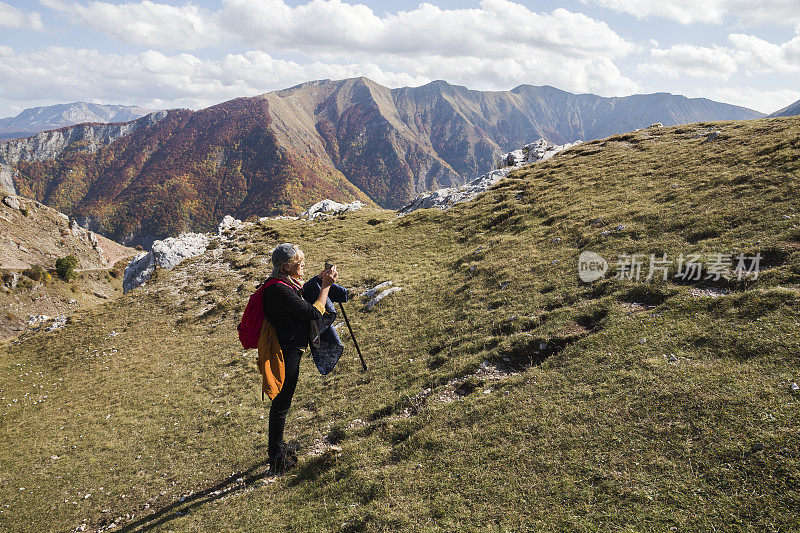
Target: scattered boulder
[[370, 293], [372, 303], [12, 202], [11, 279], [164, 254], [229, 224], [656, 125], [38, 320], [76, 229], [329, 208], [57, 323], [713, 135]]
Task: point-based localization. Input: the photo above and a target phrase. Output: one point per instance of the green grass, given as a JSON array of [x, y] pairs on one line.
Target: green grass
[[150, 399]]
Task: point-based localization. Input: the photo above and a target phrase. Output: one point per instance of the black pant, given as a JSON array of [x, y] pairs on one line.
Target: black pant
[[282, 402]]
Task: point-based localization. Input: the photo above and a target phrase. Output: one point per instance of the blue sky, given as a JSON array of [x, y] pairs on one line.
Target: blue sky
[[163, 54]]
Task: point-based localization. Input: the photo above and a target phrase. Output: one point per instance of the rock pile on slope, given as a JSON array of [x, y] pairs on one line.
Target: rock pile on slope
[[445, 198]]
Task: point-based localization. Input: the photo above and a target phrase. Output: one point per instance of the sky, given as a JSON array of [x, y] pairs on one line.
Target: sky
[[166, 54]]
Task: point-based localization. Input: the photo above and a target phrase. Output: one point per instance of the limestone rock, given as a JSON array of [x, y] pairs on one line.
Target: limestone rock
[[372, 303], [329, 207], [164, 254], [370, 293], [229, 224], [444, 198], [12, 202]]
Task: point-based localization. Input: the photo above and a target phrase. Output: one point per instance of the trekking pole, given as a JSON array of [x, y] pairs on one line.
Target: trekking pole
[[341, 306]]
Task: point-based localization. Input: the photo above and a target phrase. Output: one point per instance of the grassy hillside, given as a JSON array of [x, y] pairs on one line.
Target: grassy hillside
[[503, 392]]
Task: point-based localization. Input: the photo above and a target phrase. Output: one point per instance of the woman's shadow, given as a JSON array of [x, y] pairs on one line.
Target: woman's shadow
[[235, 482], [310, 470]]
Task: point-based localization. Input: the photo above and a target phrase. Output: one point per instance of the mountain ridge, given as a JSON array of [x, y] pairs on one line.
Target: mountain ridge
[[43, 118], [788, 111], [347, 140]]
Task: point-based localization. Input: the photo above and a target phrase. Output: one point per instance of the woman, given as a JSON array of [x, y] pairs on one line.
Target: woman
[[289, 316]]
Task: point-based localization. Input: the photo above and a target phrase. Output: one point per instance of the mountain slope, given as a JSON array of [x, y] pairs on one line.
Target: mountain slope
[[37, 119], [282, 151], [788, 111], [184, 171], [34, 235], [501, 389]]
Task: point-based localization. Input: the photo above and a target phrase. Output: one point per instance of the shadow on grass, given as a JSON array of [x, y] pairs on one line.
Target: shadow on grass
[[313, 469], [236, 482]]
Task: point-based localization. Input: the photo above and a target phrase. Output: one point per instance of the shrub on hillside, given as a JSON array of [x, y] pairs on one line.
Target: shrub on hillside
[[36, 273], [66, 267]]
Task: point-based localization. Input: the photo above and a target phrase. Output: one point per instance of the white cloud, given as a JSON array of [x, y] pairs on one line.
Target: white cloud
[[497, 29], [159, 25], [759, 56], [764, 101], [748, 53], [153, 79], [746, 12], [696, 61], [683, 11], [497, 45], [11, 17], [332, 28]]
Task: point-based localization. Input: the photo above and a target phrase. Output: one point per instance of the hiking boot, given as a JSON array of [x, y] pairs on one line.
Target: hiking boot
[[279, 464]]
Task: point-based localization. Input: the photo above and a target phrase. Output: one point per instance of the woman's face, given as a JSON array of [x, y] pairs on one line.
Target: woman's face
[[296, 270]]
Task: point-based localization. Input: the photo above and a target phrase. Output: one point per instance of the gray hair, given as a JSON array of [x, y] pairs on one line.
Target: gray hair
[[283, 254]]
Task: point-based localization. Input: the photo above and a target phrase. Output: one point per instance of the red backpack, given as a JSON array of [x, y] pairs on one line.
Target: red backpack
[[250, 326]]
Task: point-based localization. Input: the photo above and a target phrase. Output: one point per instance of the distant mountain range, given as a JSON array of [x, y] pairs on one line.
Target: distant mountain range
[[788, 111], [38, 119], [282, 151]]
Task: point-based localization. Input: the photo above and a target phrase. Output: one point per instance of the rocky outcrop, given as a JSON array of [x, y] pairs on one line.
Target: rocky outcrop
[[12, 202], [329, 207], [50, 144], [164, 254], [169, 253], [444, 198], [228, 224]]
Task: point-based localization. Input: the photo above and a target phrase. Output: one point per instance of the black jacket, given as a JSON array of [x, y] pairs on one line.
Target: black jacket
[[290, 315]]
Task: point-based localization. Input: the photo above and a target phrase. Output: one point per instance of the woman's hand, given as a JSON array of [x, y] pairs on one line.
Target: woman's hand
[[329, 276]]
